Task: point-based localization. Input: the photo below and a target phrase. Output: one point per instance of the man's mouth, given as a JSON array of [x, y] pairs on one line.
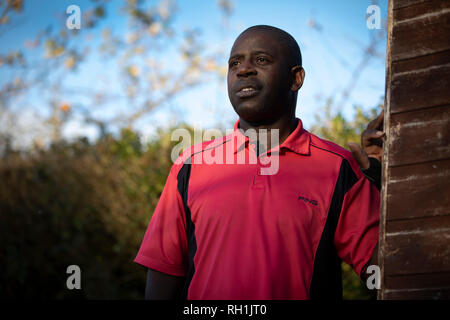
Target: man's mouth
[[247, 92]]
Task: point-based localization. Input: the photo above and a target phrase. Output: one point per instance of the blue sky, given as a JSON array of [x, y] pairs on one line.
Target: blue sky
[[329, 55]]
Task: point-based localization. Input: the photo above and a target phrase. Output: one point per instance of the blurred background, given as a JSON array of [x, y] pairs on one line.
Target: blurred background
[[86, 117]]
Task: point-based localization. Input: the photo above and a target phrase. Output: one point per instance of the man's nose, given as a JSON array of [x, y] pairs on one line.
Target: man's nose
[[246, 69]]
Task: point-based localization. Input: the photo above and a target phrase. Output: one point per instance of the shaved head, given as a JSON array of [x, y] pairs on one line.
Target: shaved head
[[288, 43]]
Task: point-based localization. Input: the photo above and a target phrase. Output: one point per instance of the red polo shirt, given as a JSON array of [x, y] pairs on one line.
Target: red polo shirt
[[237, 234]]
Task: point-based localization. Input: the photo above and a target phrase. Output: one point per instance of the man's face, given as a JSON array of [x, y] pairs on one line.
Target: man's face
[[258, 77]]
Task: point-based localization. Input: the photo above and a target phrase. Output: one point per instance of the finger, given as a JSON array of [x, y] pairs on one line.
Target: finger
[[374, 151], [359, 155], [369, 136], [378, 122], [372, 134]]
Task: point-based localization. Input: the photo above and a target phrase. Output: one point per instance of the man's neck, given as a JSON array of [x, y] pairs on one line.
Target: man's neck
[[284, 125]]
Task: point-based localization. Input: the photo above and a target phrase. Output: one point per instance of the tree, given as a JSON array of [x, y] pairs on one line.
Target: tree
[[135, 56], [79, 204], [335, 127]]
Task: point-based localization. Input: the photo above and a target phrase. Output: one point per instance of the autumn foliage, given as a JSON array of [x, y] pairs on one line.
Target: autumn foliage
[[83, 204]]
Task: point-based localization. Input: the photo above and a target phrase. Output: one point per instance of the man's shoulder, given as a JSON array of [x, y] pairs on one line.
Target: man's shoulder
[[337, 152]]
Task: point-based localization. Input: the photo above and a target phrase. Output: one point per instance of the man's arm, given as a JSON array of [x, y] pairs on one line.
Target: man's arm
[[162, 286], [369, 158]]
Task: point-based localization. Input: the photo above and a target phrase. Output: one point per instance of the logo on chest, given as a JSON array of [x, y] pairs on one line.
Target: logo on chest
[[310, 201]]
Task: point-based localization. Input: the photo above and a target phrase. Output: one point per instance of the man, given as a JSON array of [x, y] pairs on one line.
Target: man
[[226, 231]]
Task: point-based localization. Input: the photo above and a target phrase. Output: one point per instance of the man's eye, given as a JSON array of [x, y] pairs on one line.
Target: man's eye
[[234, 63], [261, 60]]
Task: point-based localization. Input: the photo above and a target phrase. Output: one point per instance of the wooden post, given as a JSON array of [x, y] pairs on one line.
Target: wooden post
[[414, 253]]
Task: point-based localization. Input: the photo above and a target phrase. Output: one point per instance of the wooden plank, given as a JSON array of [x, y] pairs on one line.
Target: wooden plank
[[420, 190], [419, 89], [424, 250], [432, 294], [419, 136], [418, 224], [417, 253], [422, 35], [406, 3], [422, 62], [415, 9], [418, 281]]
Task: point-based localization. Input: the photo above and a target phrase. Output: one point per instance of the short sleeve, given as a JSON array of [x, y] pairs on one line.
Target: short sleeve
[[357, 231], [164, 247]]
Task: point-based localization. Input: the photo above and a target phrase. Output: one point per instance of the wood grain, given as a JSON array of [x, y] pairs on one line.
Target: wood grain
[[415, 9], [419, 191], [431, 294], [421, 36], [421, 88], [398, 4], [418, 251], [419, 136], [418, 281], [422, 62]]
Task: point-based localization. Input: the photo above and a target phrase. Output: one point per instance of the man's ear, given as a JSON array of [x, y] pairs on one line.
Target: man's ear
[[298, 75]]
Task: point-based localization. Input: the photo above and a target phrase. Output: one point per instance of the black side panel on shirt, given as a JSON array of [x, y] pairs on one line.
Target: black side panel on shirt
[[183, 184], [326, 283]]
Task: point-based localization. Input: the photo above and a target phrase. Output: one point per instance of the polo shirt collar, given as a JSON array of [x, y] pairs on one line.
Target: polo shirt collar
[[298, 141]]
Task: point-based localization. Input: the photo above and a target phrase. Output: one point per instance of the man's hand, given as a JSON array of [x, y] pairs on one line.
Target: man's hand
[[371, 141]]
